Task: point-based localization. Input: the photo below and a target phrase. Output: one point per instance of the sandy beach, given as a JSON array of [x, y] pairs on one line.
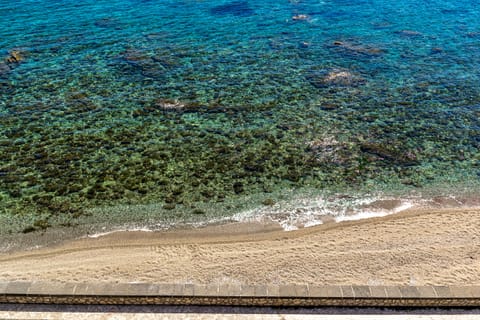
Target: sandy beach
[[420, 247]]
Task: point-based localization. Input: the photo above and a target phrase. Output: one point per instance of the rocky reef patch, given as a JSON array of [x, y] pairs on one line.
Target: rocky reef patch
[[335, 77], [11, 61]]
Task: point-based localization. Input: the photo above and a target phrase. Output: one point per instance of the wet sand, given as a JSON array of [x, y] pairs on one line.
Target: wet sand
[[423, 246]]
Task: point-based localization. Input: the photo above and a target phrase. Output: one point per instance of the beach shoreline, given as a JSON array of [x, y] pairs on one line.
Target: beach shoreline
[[416, 246], [290, 214]]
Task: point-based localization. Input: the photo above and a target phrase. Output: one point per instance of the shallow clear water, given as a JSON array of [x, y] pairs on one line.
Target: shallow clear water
[[195, 110]]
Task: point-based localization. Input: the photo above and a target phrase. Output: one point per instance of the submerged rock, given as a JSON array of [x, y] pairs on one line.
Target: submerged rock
[[107, 23], [167, 104], [329, 150], [15, 56], [335, 77], [144, 63], [304, 44], [133, 56], [436, 50], [78, 102], [166, 58], [268, 202], [390, 152], [409, 33], [351, 47], [13, 59], [157, 36], [300, 17], [379, 25], [236, 8]]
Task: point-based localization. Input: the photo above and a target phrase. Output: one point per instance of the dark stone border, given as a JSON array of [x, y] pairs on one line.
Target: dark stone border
[[239, 295]]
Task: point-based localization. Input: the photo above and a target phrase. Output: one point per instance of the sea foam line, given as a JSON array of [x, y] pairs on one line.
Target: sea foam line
[[102, 234], [374, 214], [308, 212]]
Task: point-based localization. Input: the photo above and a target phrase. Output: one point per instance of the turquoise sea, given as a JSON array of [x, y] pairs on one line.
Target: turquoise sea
[[160, 113]]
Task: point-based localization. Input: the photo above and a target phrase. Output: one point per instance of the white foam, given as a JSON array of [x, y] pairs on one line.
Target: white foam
[[373, 213], [313, 223], [102, 234], [302, 212], [288, 227], [299, 212]]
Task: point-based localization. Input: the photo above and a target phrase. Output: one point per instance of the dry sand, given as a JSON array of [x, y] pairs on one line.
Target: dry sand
[[428, 246]]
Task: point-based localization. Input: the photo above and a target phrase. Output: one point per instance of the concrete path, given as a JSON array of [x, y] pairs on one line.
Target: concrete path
[[205, 316], [24, 312]]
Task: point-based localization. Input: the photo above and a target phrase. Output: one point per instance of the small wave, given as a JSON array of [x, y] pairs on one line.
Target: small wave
[[102, 234], [303, 211], [374, 213], [306, 212]]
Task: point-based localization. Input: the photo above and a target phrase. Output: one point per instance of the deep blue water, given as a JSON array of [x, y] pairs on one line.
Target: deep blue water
[[191, 105]]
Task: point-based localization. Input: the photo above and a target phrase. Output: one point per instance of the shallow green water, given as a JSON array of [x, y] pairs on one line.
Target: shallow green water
[[197, 111]]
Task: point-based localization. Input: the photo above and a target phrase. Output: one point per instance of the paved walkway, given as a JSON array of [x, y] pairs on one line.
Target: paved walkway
[[205, 316], [125, 316], [20, 312]]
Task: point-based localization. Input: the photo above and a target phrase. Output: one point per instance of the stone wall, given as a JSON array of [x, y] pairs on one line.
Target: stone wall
[[239, 295]]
